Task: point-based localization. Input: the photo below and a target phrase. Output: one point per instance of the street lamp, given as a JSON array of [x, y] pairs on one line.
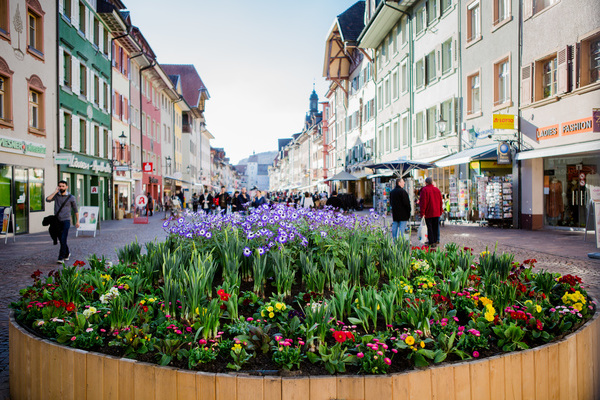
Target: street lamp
[[122, 141], [441, 125]]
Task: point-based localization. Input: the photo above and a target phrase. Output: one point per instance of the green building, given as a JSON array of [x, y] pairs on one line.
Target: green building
[[85, 101]]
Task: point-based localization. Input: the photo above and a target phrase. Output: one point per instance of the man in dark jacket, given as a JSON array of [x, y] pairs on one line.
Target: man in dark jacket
[[400, 209], [64, 204], [224, 200], [430, 203], [335, 202]]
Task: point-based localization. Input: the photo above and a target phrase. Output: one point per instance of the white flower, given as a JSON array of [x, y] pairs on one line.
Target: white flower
[[91, 311]]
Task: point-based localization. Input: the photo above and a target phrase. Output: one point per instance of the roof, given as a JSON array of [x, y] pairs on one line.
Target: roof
[[281, 143], [174, 79], [352, 21], [191, 83]]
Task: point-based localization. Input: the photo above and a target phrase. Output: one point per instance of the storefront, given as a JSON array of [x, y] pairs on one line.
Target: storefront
[[89, 181], [122, 196]]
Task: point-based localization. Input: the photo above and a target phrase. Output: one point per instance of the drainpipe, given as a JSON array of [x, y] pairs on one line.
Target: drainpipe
[[152, 65], [517, 207]]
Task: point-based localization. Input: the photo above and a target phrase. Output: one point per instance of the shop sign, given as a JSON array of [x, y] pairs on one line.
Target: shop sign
[[63, 159], [141, 201], [96, 166], [596, 120], [94, 189], [578, 126], [152, 180], [121, 167], [503, 153], [26, 147], [548, 132], [147, 167], [503, 121]]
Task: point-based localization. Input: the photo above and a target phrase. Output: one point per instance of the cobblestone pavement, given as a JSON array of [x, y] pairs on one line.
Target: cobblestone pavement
[[557, 251]]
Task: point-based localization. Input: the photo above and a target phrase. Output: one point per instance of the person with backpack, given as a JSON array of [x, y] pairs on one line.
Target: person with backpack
[[64, 204]]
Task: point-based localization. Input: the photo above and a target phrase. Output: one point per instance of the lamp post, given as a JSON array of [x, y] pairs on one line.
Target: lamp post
[[441, 125], [168, 164], [122, 141]]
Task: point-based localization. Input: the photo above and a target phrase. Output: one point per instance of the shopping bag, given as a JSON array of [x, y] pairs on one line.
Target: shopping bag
[[422, 232]]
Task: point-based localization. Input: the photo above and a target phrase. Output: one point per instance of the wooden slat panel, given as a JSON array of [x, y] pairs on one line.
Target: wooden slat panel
[[462, 381], [585, 366], [54, 369], [596, 353], [272, 388], [66, 357], [205, 386], [553, 375], [226, 387], [442, 383], [378, 387], [250, 388], [186, 385], [95, 376], [126, 379], [111, 377], [351, 387], [480, 380], [14, 367], [497, 378], [528, 377], [79, 373], [35, 355], [295, 389], [400, 387], [143, 381], [540, 359], [323, 388], [165, 383], [512, 373], [420, 385]]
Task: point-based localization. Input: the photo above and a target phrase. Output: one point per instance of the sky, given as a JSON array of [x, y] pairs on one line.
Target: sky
[[258, 59]]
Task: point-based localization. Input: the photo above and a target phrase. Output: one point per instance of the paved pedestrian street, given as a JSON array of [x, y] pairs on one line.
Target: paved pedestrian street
[[557, 251]]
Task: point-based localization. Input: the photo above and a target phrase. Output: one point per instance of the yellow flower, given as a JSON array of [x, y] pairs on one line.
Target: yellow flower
[[410, 340], [485, 301], [528, 302], [422, 345], [143, 302], [578, 306], [270, 309], [271, 315], [197, 311], [262, 313], [538, 308], [152, 300], [126, 286], [236, 347], [378, 308], [278, 306]]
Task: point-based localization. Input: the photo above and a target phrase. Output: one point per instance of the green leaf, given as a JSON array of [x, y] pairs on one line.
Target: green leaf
[[354, 321], [420, 361], [165, 360], [313, 358], [439, 356]]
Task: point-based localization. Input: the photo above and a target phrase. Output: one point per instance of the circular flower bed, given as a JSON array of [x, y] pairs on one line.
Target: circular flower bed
[[296, 291]]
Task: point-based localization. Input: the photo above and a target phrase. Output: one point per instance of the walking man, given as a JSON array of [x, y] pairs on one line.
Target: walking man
[[400, 209], [430, 202], [64, 202], [224, 200]]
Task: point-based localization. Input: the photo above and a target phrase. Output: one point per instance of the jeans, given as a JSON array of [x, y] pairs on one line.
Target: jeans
[[433, 229], [399, 225], [64, 233]]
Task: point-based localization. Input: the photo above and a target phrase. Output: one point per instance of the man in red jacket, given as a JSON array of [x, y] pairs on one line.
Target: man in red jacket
[[430, 202]]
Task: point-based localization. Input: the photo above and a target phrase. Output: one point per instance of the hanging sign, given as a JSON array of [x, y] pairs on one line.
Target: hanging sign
[[147, 166], [503, 121], [63, 159], [596, 120], [503, 153]]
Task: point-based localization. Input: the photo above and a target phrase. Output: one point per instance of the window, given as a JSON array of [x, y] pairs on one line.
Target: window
[[387, 92], [539, 5], [395, 85], [447, 115], [473, 22], [445, 5], [67, 9], [67, 70], [96, 32], [430, 67], [590, 61], [446, 56], [105, 143], [502, 82], [105, 98], [419, 128], [394, 38], [549, 84], [83, 136], [96, 140], [96, 90], [404, 29], [105, 41], [431, 118], [379, 97], [82, 13], [5, 99], [396, 129], [420, 22], [35, 38], [82, 80], [431, 11], [36, 105], [388, 139], [2, 97], [501, 10], [4, 19], [420, 73], [473, 94], [405, 131], [36, 189], [67, 131], [404, 77]]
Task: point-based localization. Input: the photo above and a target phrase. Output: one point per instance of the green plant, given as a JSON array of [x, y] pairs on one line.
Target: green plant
[[341, 301], [334, 358], [202, 355], [129, 253], [239, 356], [208, 320], [366, 307], [510, 337], [168, 349], [286, 355], [257, 339]]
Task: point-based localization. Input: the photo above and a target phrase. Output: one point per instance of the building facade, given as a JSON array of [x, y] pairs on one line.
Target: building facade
[[28, 79]]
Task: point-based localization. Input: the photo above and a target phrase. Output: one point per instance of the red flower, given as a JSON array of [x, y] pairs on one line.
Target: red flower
[[70, 307], [78, 263], [339, 336], [350, 335], [223, 307], [62, 303], [225, 296], [56, 303], [145, 308], [220, 292]]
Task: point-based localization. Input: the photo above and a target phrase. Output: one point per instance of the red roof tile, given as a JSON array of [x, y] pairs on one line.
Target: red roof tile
[[191, 83]]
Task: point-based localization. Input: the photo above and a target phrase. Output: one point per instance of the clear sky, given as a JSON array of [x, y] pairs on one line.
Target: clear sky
[[258, 59]]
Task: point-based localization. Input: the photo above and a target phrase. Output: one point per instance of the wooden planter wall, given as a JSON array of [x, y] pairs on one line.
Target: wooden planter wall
[[568, 369]]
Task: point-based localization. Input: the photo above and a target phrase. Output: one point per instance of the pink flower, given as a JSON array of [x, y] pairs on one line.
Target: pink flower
[[475, 354], [167, 316], [394, 351], [73, 339], [202, 341], [188, 329], [89, 329], [360, 355], [387, 361], [249, 319]]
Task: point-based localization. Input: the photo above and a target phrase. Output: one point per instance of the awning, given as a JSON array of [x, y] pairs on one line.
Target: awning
[[387, 173], [465, 156], [575, 148], [342, 176]]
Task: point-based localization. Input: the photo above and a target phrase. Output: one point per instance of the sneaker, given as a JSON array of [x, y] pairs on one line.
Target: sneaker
[[59, 261], [67, 257]]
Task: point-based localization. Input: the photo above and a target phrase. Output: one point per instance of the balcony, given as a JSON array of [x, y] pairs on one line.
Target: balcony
[[108, 11]]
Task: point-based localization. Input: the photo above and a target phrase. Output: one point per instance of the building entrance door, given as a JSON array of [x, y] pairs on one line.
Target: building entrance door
[[21, 200]]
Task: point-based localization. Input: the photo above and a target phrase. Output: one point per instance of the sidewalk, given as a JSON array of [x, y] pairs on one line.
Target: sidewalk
[[556, 251]]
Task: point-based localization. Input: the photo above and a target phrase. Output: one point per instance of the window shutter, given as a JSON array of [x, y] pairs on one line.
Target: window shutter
[[576, 66], [562, 66], [438, 61], [526, 84], [454, 51], [527, 9]]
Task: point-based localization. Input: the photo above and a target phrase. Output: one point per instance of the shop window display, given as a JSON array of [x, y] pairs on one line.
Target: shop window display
[[567, 186]]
